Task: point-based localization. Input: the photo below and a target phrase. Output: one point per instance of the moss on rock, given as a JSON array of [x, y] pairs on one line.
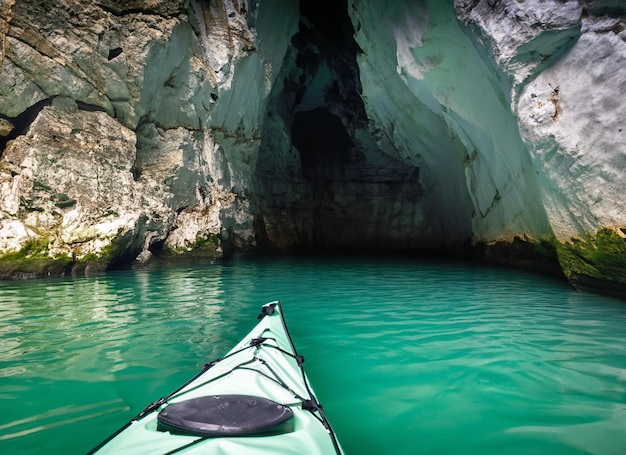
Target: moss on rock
[[596, 262], [32, 261], [521, 251], [209, 247]]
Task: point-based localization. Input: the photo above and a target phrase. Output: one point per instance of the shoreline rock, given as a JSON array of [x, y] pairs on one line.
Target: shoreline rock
[[197, 128]]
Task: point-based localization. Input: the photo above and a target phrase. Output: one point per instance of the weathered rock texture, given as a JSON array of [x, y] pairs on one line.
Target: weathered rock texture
[[562, 62], [135, 127], [107, 149]]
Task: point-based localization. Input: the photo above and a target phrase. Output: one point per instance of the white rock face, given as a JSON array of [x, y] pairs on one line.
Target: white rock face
[[572, 117], [522, 36], [566, 65], [457, 124], [169, 156], [69, 182], [135, 125]]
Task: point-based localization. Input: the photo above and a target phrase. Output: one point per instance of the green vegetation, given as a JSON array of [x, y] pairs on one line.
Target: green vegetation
[[212, 242], [100, 261], [600, 257], [203, 247], [32, 261], [595, 262], [40, 186], [521, 251], [32, 248]]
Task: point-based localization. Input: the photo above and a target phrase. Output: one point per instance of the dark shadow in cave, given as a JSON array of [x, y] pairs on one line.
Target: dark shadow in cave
[[22, 122], [322, 141], [321, 131]]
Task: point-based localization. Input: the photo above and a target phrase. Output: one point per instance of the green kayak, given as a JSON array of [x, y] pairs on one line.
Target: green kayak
[[255, 400]]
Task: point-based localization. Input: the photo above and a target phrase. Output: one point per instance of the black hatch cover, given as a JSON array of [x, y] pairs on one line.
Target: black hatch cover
[[224, 415]]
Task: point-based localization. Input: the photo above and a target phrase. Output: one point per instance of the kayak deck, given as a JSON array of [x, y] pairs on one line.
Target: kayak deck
[[263, 368]]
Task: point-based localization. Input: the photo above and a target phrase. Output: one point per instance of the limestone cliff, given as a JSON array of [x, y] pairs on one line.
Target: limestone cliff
[[146, 126], [108, 150], [562, 63]]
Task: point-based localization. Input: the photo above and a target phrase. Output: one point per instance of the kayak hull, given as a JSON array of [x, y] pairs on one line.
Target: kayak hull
[[263, 364]]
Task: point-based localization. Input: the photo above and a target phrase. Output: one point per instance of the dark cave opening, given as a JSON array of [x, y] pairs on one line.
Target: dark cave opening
[[325, 42], [322, 140], [327, 73]]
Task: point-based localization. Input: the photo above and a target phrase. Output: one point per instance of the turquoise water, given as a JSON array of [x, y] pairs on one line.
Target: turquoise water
[[407, 357]]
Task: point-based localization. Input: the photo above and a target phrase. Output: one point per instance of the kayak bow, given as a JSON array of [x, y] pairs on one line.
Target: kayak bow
[[254, 400]]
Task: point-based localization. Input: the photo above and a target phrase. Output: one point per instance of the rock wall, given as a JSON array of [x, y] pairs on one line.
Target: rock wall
[[563, 62], [324, 180], [121, 129], [128, 128]]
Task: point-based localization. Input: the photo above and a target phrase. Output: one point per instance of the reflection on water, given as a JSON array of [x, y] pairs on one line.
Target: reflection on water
[[79, 328], [407, 357]]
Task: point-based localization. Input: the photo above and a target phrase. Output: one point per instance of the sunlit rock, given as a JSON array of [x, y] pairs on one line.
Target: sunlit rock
[[149, 125], [69, 183], [572, 121], [523, 36], [565, 61], [5, 127]]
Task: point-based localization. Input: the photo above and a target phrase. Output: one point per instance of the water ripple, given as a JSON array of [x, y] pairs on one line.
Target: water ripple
[[407, 357]]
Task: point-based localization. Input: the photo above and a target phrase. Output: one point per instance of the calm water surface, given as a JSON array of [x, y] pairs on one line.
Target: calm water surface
[[407, 357]]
